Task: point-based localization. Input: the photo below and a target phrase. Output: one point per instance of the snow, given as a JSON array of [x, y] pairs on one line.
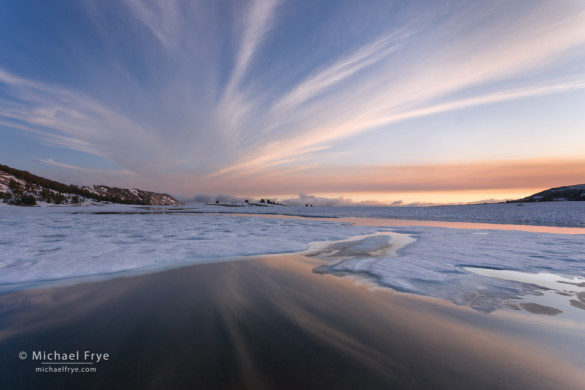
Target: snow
[[40, 245], [91, 189], [542, 279], [437, 263], [5, 179]]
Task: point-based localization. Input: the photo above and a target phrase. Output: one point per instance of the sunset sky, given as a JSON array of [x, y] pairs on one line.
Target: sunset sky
[[388, 101]]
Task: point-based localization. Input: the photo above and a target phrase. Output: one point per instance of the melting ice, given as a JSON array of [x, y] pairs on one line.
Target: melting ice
[[444, 263], [44, 244]]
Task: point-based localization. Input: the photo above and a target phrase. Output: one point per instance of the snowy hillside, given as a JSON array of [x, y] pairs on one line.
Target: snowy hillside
[[22, 188], [131, 196], [568, 193]]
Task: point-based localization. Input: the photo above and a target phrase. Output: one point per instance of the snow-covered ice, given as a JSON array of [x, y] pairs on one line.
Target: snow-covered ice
[[544, 213], [435, 263], [42, 245]]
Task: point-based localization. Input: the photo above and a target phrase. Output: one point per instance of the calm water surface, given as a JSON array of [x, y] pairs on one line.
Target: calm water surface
[[270, 323]]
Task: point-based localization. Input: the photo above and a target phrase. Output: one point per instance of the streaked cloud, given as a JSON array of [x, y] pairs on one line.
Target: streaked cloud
[[339, 71], [72, 120], [266, 95], [162, 17], [124, 172], [258, 19], [429, 84]]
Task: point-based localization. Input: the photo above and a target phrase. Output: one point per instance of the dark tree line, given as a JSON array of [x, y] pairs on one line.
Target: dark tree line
[[18, 195], [268, 201], [34, 181], [41, 187]]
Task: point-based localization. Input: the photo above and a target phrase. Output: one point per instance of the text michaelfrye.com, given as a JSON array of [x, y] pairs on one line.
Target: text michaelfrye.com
[[65, 362]]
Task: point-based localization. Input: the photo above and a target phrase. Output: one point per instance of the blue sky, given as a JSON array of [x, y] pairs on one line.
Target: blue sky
[[474, 100]]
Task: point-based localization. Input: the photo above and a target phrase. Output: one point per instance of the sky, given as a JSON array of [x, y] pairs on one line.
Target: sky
[[392, 102]]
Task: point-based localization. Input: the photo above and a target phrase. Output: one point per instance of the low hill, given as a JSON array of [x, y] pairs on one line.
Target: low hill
[[568, 193], [22, 188]]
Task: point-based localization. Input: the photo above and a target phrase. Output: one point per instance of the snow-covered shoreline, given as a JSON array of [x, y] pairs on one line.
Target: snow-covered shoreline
[[566, 214], [569, 214]]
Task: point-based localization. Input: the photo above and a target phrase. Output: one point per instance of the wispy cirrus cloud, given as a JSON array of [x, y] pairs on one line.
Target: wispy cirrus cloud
[[162, 17], [123, 172], [235, 102], [54, 139], [405, 87], [71, 120], [340, 70], [257, 22], [264, 88]]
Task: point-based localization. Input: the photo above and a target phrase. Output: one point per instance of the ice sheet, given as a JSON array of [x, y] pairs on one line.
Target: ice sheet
[[545, 213], [49, 243], [435, 264], [55, 243]]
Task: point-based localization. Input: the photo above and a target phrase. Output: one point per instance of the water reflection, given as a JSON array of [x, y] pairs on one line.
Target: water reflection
[[272, 323]]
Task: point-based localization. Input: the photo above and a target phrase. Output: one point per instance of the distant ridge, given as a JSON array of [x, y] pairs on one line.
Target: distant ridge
[[22, 188], [567, 193]]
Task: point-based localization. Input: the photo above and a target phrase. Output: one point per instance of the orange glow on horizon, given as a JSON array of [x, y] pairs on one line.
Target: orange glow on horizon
[[439, 183], [423, 197], [440, 197]]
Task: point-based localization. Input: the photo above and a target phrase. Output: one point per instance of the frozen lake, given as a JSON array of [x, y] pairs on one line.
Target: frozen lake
[[56, 245]]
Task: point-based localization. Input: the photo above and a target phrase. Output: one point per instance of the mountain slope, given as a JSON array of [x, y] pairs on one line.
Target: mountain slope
[[23, 188], [568, 193]]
